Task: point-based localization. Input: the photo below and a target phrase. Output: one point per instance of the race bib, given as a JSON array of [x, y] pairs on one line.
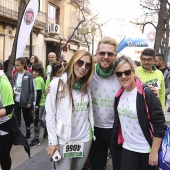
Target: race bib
[[17, 89], [73, 149], [154, 83]]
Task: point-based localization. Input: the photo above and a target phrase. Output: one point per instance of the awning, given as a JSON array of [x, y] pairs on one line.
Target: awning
[[54, 40]]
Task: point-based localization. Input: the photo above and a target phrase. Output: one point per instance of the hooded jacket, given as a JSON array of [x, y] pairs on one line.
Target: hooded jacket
[[27, 88]]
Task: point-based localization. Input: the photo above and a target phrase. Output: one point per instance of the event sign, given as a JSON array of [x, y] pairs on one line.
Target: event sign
[[27, 22]]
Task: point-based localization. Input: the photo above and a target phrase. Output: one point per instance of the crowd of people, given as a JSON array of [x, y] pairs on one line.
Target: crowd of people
[[89, 106]]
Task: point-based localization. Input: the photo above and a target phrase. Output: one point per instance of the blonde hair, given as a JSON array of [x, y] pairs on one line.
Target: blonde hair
[[71, 76], [122, 60], [107, 40]]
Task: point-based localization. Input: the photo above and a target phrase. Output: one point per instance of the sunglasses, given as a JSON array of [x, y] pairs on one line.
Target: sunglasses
[[80, 63], [126, 73], [103, 53]]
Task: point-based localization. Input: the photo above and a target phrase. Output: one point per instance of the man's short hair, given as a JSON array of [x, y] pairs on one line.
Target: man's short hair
[[107, 40], [62, 56], [148, 52], [160, 55], [52, 53]]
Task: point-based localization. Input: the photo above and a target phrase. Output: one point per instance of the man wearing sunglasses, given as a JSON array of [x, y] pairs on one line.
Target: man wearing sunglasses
[[148, 74], [104, 88]]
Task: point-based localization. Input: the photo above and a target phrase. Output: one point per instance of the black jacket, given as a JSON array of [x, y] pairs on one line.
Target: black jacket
[[156, 115], [11, 126]]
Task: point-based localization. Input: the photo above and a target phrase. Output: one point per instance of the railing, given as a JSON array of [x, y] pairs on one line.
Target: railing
[[4, 11], [40, 21]]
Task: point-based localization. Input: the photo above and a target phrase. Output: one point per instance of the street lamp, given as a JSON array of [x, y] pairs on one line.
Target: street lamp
[[93, 32]]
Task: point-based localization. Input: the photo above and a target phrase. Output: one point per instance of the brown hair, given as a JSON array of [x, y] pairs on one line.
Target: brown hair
[[22, 60], [107, 40], [55, 67], [39, 68]]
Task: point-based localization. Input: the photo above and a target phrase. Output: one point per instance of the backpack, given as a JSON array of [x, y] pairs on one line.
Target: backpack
[[164, 154]]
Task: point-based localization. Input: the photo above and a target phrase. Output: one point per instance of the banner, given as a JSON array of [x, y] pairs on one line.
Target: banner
[[131, 42], [149, 30], [27, 22]]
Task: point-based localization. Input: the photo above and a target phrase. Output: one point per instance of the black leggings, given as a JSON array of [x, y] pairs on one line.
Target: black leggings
[[26, 114], [135, 161], [5, 148]]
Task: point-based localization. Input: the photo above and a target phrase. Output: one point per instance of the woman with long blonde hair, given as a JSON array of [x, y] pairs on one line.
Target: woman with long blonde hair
[[69, 117]]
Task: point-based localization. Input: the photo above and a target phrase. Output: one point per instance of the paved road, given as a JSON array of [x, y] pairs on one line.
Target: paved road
[[39, 158]]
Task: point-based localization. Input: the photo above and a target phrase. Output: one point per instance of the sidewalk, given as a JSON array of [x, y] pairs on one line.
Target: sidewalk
[[39, 159]]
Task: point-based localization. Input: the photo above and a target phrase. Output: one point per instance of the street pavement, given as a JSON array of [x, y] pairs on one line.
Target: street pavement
[[39, 158]]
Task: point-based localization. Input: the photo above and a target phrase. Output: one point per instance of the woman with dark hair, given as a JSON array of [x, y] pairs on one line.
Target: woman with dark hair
[[26, 60], [39, 80], [69, 117], [33, 60], [56, 71], [22, 84]]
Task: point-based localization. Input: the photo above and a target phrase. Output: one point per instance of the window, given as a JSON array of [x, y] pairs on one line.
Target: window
[[42, 5], [8, 4], [53, 13]]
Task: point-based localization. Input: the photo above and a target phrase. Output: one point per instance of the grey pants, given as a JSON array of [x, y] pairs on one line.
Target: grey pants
[[73, 163], [39, 121]]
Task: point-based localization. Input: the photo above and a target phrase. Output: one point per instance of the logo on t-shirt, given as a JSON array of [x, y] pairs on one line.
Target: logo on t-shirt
[[154, 83]]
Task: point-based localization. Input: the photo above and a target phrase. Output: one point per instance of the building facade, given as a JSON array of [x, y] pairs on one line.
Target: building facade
[[53, 27]]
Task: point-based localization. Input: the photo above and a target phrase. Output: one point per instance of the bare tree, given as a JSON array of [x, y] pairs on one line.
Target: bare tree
[[82, 24], [21, 9], [159, 9], [80, 5], [95, 27]]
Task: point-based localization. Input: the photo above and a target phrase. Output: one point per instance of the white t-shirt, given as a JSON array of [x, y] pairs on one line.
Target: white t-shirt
[[103, 97], [134, 139], [79, 121], [17, 87], [49, 69]]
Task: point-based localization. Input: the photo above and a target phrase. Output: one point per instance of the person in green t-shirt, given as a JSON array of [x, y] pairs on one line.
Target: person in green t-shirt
[[9, 131], [56, 71], [6, 108], [39, 114]]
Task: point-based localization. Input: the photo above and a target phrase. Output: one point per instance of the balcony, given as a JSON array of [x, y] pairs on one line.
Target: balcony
[[41, 20], [10, 16], [9, 13]]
